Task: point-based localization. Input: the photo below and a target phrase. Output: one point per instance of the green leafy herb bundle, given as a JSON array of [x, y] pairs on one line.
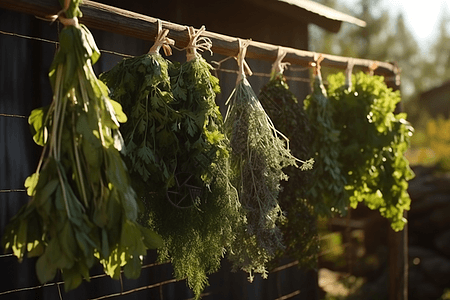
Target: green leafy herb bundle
[[373, 140], [196, 237], [82, 208], [327, 191], [142, 86], [299, 227], [178, 156], [259, 153]]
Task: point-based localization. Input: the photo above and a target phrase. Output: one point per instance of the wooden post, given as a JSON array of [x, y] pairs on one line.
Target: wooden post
[[398, 264], [398, 241]]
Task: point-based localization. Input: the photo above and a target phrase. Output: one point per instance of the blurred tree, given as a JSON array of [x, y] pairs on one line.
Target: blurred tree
[[382, 39]]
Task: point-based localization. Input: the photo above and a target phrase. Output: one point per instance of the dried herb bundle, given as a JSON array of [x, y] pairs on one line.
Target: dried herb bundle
[[83, 208], [196, 242], [179, 159], [299, 227], [259, 153]]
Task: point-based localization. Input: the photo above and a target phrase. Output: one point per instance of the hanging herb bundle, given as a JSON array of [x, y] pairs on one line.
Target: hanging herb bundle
[[373, 140], [326, 192], [299, 227], [259, 154], [142, 86], [196, 242], [179, 157], [82, 208]]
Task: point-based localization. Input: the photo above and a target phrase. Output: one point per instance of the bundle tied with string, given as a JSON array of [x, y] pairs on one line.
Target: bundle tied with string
[[287, 113], [82, 208], [142, 86], [326, 191], [259, 153], [178, 157], [373, 139]]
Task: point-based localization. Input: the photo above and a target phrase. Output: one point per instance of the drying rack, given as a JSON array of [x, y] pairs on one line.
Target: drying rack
[[120, 21]]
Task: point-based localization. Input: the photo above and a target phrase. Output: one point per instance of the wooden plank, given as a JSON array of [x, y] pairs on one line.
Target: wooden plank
[[112, 19]]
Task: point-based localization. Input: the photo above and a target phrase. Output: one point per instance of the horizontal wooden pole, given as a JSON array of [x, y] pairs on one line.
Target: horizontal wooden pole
[[112, 19]]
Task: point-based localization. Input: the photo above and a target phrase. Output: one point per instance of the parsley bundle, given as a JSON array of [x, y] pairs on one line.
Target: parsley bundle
[[373, 140], [299, 227], [142, 86], [326, 192], [259, 154], [82, 208]]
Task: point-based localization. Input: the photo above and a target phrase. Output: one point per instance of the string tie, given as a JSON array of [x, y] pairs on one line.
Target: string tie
[[348, 73], [161, 40], [316, 64], [278, 66], [373, 66], [59, 16], [242, 64], [197, 43]]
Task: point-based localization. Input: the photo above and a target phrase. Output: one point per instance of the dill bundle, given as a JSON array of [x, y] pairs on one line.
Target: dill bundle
[[196, 236], [299, 227], [259, 153]]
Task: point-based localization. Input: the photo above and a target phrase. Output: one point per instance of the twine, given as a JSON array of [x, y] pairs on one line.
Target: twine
[[373, 67], [278, 66], [316, 63], [161, 40], [197, 43], [242, 64], [348, 73], [65, 21]]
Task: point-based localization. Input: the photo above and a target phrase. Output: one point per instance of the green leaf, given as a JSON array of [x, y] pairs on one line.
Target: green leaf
[[45, 271], [38, 127], [72, 279], [43, 195], [30, 184], [120, 115], [151, 239], [132, 269]]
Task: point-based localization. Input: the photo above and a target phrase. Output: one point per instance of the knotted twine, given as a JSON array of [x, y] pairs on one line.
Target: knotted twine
[[242, 64], [278, 66], [348, 74], [59, 16], [197, 43], [161, 40]]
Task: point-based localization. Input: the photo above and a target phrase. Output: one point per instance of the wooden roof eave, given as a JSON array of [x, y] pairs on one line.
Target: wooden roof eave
[[308, 11]]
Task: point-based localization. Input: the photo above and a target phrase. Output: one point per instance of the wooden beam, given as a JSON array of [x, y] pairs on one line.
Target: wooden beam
[[112, 19]]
